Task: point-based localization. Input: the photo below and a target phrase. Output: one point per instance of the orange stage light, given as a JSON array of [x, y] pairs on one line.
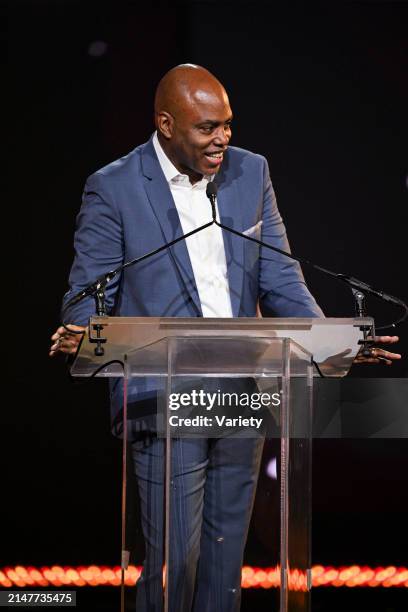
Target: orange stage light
[[252, 577]]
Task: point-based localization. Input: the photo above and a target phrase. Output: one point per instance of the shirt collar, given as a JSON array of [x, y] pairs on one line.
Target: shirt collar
[[169, 169]]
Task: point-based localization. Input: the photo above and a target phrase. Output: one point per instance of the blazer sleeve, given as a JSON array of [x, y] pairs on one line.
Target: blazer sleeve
[[98, 244], [283, 291]]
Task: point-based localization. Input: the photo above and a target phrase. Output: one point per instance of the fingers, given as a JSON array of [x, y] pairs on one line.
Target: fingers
[[378, 355], [60, 331], [63, 347], [383, 354], [386, 339], [65, 342], [376, 360], [343, 353]]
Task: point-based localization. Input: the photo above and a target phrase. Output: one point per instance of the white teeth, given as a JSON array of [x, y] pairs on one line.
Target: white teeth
[[214, 154]]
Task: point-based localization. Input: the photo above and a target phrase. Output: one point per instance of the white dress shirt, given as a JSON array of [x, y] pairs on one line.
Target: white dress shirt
[[206, 248]]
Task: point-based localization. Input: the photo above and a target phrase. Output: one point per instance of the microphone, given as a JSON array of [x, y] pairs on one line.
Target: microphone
[[211, 193], [357, 286], [97, 288]]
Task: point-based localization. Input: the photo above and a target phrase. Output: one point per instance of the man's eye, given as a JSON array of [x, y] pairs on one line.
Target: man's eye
[[207, 129]]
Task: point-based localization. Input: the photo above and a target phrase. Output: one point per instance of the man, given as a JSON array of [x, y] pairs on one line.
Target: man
[[132, 206]]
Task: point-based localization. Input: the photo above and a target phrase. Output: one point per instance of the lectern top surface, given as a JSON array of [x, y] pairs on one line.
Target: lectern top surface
[[228, 347]]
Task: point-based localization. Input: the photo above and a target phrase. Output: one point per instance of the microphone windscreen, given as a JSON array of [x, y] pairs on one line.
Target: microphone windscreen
[[211, 190]]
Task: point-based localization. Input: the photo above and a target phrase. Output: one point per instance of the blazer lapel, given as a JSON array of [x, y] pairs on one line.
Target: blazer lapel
[[162, 202], [229, 207]]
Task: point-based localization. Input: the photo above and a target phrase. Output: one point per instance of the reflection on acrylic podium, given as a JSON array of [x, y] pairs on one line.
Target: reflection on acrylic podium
[[211, 379]]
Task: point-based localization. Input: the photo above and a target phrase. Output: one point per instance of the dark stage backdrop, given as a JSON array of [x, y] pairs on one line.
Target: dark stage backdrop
[[321, 91]]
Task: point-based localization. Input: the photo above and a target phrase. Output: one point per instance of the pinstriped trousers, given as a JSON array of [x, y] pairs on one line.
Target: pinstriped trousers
[[212, 492]]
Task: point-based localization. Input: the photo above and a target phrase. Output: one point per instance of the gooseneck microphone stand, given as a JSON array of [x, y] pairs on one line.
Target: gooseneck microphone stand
[[97, 288], [359, 288]]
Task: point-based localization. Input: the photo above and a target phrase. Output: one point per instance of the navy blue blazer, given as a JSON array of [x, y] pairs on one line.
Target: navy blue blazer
[[128, 210]]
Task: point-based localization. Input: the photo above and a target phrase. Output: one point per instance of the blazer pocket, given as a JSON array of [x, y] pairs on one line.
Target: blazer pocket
[[254, 230]]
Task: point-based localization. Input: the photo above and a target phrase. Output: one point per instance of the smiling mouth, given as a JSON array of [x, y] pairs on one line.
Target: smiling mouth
[[215, 157]]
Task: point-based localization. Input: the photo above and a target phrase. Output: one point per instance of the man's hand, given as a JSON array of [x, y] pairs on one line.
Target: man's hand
[[64, 342], [379, 355]]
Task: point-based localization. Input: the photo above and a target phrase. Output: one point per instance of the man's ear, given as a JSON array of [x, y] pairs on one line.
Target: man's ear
[[165, 124]]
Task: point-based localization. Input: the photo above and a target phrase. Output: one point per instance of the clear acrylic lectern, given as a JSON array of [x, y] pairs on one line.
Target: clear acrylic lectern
[[240, 381]]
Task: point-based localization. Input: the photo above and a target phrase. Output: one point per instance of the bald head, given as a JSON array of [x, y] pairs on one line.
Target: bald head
[[184, 86], [193, 120]]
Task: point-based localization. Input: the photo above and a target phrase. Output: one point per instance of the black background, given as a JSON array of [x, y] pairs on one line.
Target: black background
[[322, 91]]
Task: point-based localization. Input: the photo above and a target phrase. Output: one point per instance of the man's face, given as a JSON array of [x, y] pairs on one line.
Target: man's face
[[199, 134]]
